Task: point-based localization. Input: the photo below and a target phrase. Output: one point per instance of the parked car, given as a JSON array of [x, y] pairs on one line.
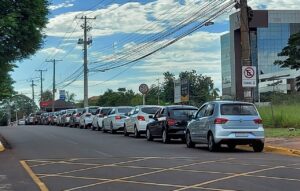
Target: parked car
[[65, 119], [31, 119], [138, 119], [115, 120], [170, 122], [21, 122], [226, 122], [87, 116], [100, 114], [75, 117], [44, 118], [38, 116], [53, 118], [59, 117]]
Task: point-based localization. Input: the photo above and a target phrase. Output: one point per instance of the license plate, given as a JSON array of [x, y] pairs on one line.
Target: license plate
[[241, 134]]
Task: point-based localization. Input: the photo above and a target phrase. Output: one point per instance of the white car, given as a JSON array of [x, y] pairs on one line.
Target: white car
[[138, 119], [21, 122], [100, 114], [87, 116], [115, 120], [60, 116]]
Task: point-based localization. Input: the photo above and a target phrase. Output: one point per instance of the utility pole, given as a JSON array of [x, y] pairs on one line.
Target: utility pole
[[32, 87], [41, 73], [85, 41], [158, 91], [53, 86], [245, 44]]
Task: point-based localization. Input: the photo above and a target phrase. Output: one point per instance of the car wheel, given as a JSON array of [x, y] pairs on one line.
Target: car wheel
[[93, 128], [148, 135], [136, 132], [212, 146], [189, 142], [258, 147], [125, 131], [165, 137], [231, 146], [112, 131]]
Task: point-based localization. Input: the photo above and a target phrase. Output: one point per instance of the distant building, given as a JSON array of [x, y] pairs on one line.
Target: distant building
[[269, 34]]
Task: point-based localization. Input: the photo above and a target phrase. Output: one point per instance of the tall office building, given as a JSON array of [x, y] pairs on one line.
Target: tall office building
[[269, 34]]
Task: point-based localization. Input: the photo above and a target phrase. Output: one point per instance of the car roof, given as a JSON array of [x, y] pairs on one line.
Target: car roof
[[181, 106], [230, 102]]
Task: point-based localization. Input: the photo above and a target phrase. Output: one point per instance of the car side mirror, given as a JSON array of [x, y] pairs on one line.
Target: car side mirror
[[151, 117]]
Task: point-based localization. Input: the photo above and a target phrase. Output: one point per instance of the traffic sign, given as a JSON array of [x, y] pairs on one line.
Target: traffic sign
[[143, 88], [249, 76]]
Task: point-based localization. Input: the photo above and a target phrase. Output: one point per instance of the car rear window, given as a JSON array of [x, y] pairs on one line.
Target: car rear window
[[150, 110], [238, 109], [105, 111], [124, 110], [93, 110], [183, 113]]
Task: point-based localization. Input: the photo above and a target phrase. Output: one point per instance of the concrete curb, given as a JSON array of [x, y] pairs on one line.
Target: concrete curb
[[282, 150], [2, 148]]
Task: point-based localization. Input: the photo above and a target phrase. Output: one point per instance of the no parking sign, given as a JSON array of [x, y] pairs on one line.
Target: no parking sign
[[249, 76]]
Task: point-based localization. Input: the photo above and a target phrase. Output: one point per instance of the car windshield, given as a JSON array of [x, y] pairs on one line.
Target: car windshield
[[124, 110], [150, 110], [183, 112], [238, 109]]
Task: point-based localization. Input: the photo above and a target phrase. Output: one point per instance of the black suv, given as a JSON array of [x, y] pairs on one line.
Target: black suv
[[170, 122]]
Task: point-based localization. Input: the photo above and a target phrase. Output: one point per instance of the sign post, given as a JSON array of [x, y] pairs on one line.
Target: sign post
[[144, 89]]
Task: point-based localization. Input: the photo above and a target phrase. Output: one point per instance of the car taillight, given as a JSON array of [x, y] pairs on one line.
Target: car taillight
[[171, 122], [258, 121], [220, 121], [141, 118], [117, 117]]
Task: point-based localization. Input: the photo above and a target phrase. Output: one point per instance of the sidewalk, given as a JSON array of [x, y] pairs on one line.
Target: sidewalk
[[291, 145]]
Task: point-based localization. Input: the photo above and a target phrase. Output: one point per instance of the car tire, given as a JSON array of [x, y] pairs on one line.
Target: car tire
[[212, 146], [93, 128], [165, 137], [98, 126], [189, 142], [258, 147], [126, 134], [231, 146], [112, 131], [149, 135], [136, 132]]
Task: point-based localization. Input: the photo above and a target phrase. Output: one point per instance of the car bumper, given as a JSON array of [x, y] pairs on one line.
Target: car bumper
[[141, 126], [244, 136]]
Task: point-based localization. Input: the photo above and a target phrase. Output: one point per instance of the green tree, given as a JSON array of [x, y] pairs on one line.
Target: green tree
[[111, 98], [47, 95], [6, 89], [18, 104], [168, 87], [291, 52], [70, 97], [21, 35]]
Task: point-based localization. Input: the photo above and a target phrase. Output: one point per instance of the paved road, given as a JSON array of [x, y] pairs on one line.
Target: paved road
[[75, 159]]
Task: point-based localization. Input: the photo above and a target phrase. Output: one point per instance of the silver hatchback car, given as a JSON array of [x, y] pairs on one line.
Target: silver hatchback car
[[226, 122]]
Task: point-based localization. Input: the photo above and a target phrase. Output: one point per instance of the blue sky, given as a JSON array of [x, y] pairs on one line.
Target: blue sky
[[119, 26]]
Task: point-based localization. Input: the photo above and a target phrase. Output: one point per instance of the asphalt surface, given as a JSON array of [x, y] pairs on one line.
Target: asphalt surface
[[76, 159]]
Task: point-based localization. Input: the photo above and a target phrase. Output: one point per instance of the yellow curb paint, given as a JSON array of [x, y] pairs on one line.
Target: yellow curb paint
[[34, 177], [277, 150], [282, 150], [1, 147]]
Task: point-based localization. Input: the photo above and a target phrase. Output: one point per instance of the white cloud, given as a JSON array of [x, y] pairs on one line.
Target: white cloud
[[61, 5], [52, 51], [275, 4]]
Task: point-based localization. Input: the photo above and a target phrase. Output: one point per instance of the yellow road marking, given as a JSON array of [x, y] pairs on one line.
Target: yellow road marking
[[2, 148], [147, 173], [99, 166], [38, 182], [228, 177]]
